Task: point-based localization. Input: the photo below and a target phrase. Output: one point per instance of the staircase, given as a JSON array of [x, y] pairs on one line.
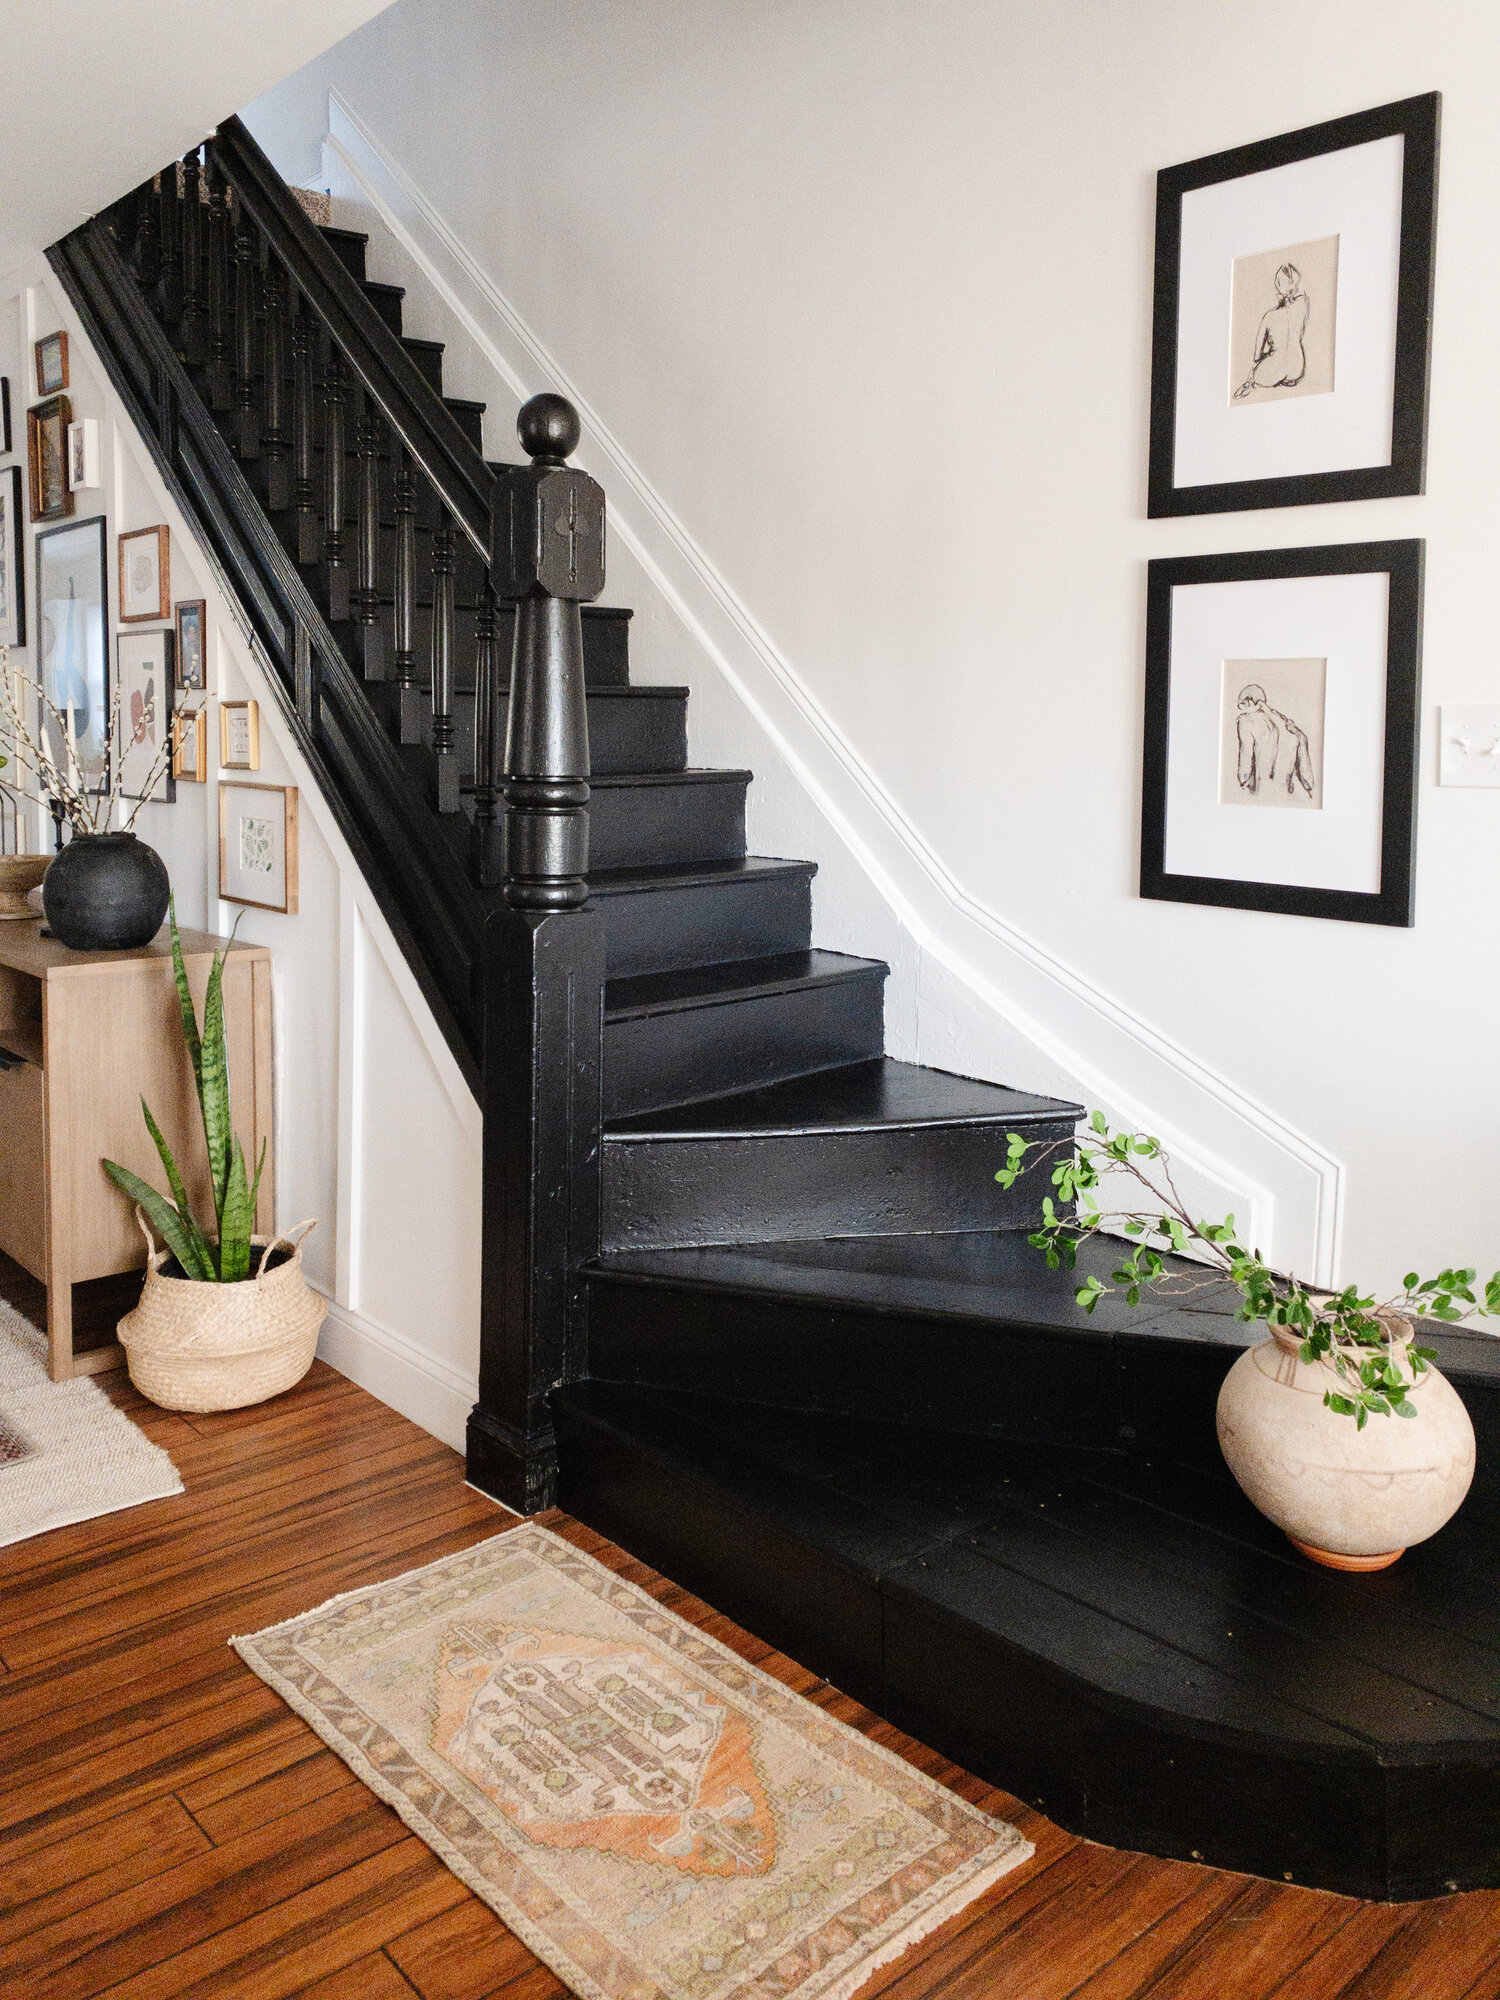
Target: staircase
[[753, 1303]]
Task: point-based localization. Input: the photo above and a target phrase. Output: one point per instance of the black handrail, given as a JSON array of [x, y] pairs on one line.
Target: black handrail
[[430, 432]]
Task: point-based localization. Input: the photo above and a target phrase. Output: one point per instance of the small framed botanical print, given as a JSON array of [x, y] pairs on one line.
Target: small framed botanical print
[[47, 459], [145, 575], [258, 846], [192, 625], [12, 560], [239, 735], [143, 689], [190, 746], [1293, 304], [51, 364], [1281, 730], [83, 455]]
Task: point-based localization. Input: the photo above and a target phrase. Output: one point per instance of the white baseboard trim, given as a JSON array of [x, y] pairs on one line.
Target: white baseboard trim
[[1287, 1189], [417, 1384]]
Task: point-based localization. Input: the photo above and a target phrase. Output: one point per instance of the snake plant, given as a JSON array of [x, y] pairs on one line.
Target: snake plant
[[225, 1258]]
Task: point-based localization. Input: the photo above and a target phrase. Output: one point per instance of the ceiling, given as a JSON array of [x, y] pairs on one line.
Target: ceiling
[[100, 93]]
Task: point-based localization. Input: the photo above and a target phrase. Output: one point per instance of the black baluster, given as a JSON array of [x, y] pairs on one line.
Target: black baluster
[[309, 535], [169, 235], [220, 383], [544, 979], [404, 592], [489, 723], [440, 679], [365, 596], [274, 441], [335, 569], [246, 310], [194, 334], [148, 237]]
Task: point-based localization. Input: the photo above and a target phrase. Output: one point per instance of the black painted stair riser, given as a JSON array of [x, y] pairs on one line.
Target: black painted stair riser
[[630, 729], [677, 918], [647, 821]]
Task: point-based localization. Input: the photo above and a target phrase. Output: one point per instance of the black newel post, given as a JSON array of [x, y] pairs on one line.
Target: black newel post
[[544, 977]]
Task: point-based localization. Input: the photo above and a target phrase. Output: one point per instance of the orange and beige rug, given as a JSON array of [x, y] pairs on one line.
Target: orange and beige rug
[[66, 1453], [655, 1818]]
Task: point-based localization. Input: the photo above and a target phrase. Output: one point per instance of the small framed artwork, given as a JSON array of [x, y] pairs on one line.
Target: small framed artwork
[[12, 560], [145, 575], [47, 459], [239, 735], [1293, 305], [73, 643], [51, 364], [5, 432], [258, 846], [190, 746], [83, 455], [1281, 730], [143, 679], [192, 626]]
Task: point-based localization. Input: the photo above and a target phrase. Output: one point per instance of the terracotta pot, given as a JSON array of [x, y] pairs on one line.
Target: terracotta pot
[[1350, 1498]]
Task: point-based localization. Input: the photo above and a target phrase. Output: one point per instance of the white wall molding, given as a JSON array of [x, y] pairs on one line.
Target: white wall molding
[[1058, 1028], [420, 1385]]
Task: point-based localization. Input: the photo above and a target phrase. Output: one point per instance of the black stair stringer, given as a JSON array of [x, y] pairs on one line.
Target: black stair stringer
[[435, 914]]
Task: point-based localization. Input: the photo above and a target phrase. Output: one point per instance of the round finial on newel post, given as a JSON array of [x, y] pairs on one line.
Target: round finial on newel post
[[548, 428]]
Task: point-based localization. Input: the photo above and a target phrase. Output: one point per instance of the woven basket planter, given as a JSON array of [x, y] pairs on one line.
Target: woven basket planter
[[192, 1345]]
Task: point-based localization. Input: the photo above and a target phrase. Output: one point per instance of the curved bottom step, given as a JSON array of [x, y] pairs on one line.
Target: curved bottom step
[[1123, 1642]]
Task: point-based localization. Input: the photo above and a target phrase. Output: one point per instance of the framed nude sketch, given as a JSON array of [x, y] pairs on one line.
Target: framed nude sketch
[[1281, 731]]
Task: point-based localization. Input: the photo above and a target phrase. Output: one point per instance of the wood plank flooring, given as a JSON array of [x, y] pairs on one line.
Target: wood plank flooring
[[169, 1828]]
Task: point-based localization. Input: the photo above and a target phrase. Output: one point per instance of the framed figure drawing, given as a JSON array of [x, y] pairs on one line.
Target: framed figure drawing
[[145, 575], [47, 459], [72, 618], [192, 619], [1281, 730], [143, 682], [1293, 301], [258, 846], [12, 560]]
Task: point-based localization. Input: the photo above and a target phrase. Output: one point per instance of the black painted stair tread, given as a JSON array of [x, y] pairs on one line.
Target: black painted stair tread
[[869, 1097], [349, 246], [732, 981], [387, 301], [1125, 1641]]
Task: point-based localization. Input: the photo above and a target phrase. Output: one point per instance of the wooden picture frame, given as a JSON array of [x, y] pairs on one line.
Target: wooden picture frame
[[190, 747], [12, 559], [1333, 404], [192, 645], [145, 557], [258, 839], [51, 353], [1343, 622], [144, 689], [239, 735], [47, 459]]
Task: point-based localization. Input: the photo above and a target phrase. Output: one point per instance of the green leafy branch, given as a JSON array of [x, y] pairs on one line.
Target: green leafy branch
[[225, 1257], [1361, 1342]]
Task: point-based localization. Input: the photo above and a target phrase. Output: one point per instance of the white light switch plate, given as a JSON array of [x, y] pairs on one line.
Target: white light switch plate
[[1470, 753]]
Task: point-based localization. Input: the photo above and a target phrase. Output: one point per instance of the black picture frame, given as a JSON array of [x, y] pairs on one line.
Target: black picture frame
[[89, 560], [1394, 902], [13, 554], [1417, 120], [166, 641], [5, 433]]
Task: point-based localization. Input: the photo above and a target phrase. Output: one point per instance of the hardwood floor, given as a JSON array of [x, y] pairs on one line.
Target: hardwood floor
[[169, 1828]]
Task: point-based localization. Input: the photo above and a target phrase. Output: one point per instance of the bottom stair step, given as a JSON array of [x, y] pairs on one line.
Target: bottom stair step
[[1123, 1642]]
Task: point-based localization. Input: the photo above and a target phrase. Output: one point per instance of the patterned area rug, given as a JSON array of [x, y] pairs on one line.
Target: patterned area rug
[[655, 1818], [66, 1452]]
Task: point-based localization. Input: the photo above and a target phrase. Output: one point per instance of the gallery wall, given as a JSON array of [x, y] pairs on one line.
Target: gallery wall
[[858, 298], [376, 1132]]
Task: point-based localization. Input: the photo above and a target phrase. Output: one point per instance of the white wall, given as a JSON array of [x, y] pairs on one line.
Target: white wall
[[376, 1132], [858, 299]]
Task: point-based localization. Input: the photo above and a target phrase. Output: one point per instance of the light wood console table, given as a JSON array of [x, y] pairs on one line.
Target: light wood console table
[[86, 1035]]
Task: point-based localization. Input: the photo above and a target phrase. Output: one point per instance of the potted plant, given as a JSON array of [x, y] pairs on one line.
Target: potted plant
[[1337, 1426], [210, 1332], [107, 890]]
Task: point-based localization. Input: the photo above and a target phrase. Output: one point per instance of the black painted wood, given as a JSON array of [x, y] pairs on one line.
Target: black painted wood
[[168, 296], [701, 913], [1123, 1642], [308, 542], [193, 334], [650, 819], [247, 307], [440, 676], [220, 377], [335, 570], [275, 433]]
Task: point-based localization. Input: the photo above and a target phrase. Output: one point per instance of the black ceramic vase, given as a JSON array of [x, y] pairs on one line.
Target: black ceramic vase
[[105, 892]]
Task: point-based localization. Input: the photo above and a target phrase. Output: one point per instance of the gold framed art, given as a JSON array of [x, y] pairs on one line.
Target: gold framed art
[[239, 735], [47, 459], [145, 575], [190, 747], [258, 846]]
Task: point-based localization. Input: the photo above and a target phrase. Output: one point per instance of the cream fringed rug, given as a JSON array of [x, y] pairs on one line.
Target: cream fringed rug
[[66, 1452], [653, 1817]]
